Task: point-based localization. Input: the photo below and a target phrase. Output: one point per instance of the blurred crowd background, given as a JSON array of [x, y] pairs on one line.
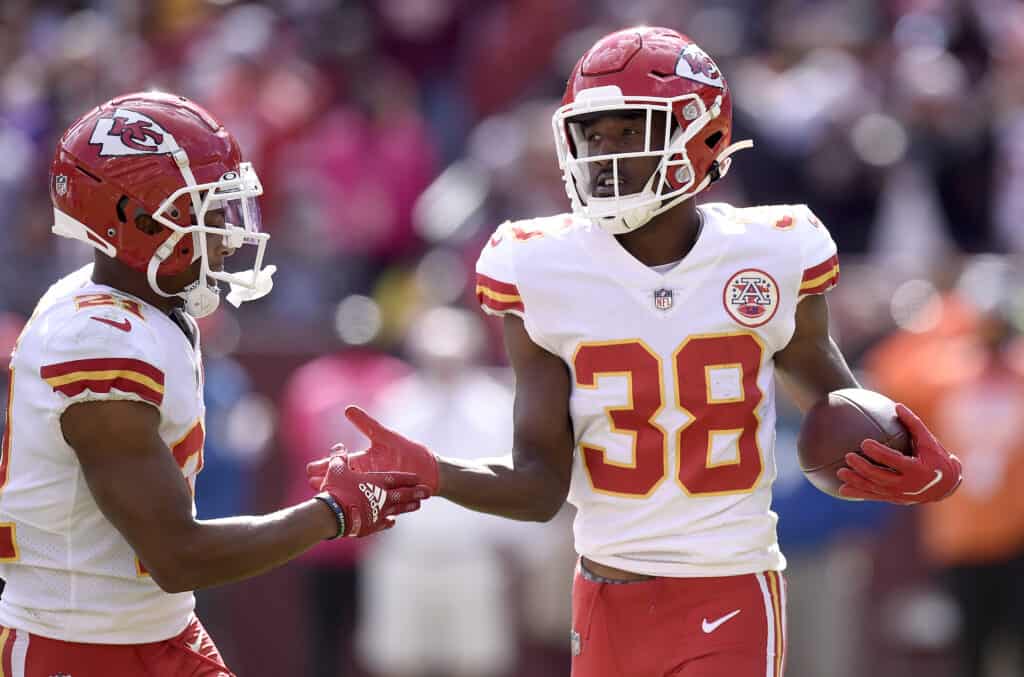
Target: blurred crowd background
[[392, 136]]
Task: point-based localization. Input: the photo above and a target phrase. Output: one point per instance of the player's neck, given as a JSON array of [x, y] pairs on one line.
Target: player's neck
[[108, 272], [668, 237]]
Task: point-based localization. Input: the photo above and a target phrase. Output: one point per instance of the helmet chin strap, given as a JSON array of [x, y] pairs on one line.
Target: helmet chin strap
[[632, 211], [200, 299]]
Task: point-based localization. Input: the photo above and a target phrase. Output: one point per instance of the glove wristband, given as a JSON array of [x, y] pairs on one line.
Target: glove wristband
[[336, 509]]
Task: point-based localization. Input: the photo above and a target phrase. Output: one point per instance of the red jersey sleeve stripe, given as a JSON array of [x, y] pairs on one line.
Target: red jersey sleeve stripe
[[821, 288], [496, 286], [499, 307], [8, 542], [820, 269], [103, 386], [496, 296], [102, 364]]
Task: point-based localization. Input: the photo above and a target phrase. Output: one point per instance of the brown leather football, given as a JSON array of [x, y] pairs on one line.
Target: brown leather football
[[838, 424]]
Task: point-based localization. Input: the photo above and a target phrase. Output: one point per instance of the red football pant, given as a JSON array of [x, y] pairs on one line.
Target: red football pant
[[190, 654], [680, 627]]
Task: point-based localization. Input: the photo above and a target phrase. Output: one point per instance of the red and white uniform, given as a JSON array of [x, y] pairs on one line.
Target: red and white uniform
[[673, 402], [70, 574], [191, 652]]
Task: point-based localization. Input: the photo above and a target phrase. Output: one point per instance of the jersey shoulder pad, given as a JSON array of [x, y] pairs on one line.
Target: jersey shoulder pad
[[819, 262], [91, 349], [777, 217], [497, 281]]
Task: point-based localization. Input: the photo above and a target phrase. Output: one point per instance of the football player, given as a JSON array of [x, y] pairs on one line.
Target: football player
[[99, 542], [644, 331]]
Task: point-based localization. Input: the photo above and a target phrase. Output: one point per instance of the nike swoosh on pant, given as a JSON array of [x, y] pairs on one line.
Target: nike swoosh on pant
[[710, 626]]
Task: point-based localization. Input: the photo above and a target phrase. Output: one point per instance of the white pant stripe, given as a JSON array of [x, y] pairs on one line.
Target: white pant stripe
[[19, 652], [769, 609], [785, 627]]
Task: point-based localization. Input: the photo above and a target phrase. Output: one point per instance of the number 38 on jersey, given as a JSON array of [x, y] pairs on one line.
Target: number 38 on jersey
[[713, 401]]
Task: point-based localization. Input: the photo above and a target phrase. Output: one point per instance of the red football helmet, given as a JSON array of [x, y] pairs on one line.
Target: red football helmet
[[157, 155], [659, 72]]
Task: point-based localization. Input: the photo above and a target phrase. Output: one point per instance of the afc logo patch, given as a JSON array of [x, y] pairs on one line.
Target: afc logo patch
[[751, 297]]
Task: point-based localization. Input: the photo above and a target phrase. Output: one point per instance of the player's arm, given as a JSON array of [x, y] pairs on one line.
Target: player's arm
[[811, 365], [138, 486], [531, 483]]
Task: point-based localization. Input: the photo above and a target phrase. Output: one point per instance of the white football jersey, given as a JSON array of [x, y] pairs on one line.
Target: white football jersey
[[673, 402], [70, 574]]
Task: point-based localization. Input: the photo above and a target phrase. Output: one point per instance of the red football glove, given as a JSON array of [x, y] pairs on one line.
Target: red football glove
[[931, 474], [388, 451], [370, 499]]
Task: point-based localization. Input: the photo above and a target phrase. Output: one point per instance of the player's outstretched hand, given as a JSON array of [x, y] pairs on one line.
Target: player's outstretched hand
[[931, 474], [370, 500], [388, 451]]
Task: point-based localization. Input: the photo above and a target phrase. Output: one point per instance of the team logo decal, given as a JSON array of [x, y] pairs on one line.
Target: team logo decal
[[695, 64], [751, 297], [129, 133], [60, 184], [663, 299]]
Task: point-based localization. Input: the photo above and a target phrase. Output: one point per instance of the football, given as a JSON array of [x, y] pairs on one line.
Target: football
[[837, 425]]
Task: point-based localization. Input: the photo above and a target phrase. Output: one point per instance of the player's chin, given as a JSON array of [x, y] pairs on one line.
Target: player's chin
[[174, 284]]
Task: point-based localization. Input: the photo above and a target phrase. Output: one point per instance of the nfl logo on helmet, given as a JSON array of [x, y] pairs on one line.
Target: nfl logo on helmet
[[663, 299]]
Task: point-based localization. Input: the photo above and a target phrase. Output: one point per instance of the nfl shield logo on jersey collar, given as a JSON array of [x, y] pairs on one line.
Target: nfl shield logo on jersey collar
[[663, 299]]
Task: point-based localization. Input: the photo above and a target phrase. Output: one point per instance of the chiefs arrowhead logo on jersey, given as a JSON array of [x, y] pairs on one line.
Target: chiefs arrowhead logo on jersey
[[131, 133], [695, 64], [751, 297]]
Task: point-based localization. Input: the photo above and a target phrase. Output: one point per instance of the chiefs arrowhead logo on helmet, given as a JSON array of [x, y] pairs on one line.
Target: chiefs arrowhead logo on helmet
[[131, 133], [695, 64]]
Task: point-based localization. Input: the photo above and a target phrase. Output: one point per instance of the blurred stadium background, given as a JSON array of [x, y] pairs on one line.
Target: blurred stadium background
[[392, 136]]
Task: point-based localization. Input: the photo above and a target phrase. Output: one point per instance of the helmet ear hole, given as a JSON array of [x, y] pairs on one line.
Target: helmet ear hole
[[712, 139], [147, 224]]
